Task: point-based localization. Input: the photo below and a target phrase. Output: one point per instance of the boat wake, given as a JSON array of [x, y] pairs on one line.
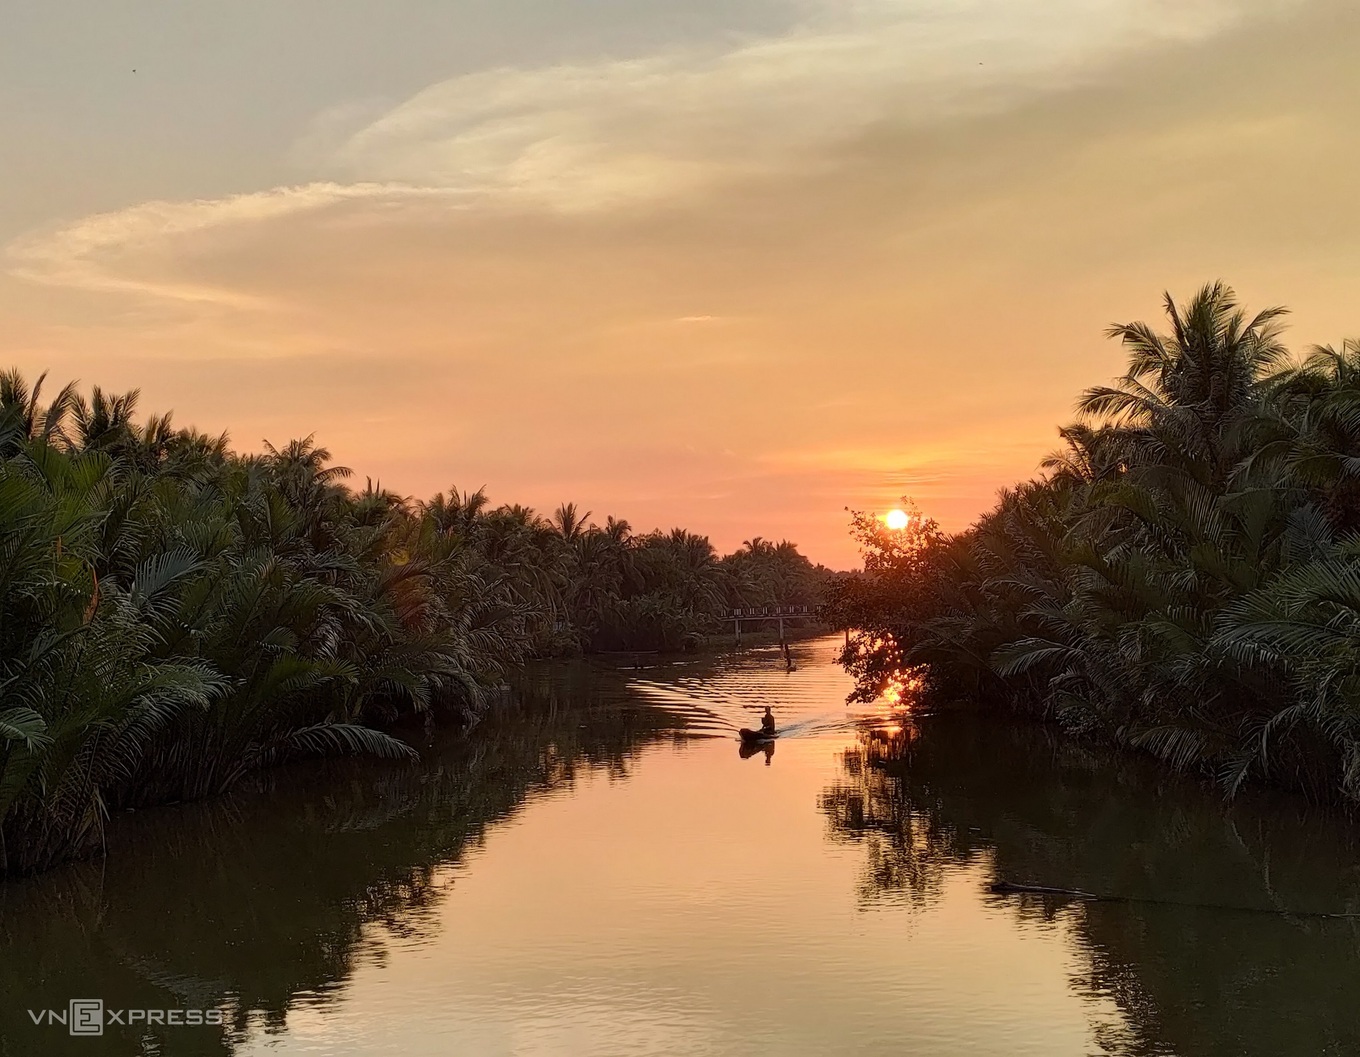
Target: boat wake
[[715, 700]]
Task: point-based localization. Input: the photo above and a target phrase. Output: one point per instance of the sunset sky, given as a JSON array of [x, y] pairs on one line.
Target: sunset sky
[[727, 264]]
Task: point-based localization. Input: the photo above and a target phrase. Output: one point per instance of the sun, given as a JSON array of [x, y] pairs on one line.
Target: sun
[[897, 519]]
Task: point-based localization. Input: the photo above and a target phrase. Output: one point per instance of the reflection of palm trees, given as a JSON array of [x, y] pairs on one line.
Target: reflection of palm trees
[[278, 891], [952, 790]]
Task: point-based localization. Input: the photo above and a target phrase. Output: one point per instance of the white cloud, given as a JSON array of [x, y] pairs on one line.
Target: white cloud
[[615, 133], [131, 250], [585, 136]]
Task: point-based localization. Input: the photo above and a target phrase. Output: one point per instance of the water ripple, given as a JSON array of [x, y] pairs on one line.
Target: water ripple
[[716, 699]]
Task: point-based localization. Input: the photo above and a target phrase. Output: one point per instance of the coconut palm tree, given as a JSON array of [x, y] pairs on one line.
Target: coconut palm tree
[[1181, 580], [1187, 395], [22, 418], [570, 524], [175, 616]]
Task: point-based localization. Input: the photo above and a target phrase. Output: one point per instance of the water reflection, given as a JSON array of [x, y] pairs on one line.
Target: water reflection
[[513, 893], [342, 861], [747, 749], [1209, 952]]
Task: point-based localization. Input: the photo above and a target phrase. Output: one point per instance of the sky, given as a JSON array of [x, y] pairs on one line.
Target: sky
[[732, 265]]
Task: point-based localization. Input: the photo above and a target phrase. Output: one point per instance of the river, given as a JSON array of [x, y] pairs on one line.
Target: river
[[597, 870]]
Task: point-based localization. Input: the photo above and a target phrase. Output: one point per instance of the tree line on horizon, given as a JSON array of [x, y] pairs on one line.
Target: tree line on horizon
[[175, 615], [1183, 578]]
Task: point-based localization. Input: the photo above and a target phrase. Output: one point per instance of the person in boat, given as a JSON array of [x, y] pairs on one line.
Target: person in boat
[[766, 733]]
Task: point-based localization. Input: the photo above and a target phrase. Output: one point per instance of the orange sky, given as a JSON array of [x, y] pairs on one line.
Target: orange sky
[[733, 267]]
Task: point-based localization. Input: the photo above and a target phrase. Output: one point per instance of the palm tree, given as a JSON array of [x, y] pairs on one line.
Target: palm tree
[[458, 513], [175, 616], [105, 421], [1179, 580], [570, 524], [22, 418], [1187, 395]]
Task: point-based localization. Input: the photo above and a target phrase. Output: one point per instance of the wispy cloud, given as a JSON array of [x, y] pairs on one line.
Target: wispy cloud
[[134, 250], [657, 127], [585, 136]]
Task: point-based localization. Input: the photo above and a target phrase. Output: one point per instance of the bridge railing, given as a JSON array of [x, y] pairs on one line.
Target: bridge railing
[[771, 611]]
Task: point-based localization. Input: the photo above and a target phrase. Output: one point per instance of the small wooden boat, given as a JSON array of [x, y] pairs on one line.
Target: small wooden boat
[[756, 743]]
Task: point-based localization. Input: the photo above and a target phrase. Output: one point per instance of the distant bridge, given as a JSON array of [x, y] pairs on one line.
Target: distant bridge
[[762, 613]]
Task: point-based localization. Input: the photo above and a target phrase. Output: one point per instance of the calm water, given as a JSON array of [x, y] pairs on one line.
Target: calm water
[[598, 871]]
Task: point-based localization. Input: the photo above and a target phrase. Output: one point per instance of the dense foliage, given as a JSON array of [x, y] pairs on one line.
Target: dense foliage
[[174, 615], [1184, 578]]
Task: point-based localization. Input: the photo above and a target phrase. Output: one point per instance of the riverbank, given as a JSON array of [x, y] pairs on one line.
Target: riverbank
[[531, 678], [175, 616], [711, 646], [1182, 581]]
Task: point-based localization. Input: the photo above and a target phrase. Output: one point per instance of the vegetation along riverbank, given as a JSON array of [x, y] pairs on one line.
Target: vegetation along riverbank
[[1183, 579], [174, 615]]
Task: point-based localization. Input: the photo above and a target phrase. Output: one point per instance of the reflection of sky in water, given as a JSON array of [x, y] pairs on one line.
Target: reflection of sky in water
[[581, 877], [557, 942], [697, 907]]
